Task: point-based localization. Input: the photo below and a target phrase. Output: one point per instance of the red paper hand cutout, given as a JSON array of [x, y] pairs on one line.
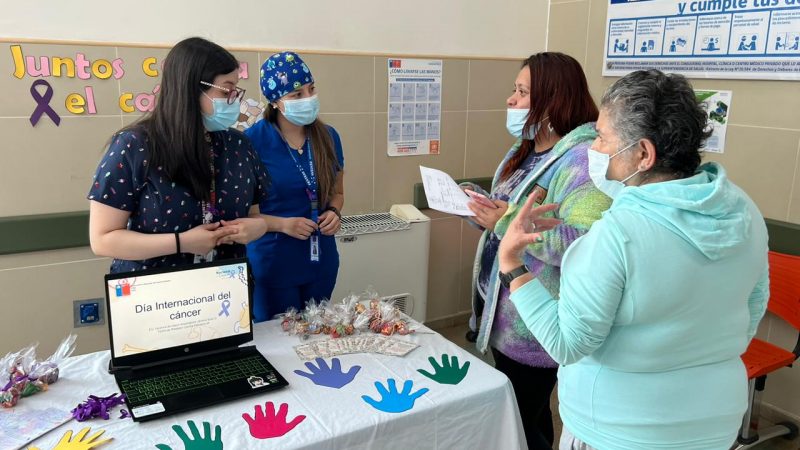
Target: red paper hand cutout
[[270, 425]]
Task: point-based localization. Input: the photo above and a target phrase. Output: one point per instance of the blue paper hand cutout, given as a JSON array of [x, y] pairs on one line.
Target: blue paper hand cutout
[[393, 401], [332, 376]]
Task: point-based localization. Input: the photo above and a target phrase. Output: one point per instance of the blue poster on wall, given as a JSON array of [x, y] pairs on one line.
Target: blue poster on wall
[[742, 39]]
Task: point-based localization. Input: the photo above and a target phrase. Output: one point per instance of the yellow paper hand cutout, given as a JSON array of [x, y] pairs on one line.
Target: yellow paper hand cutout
[[66, 442]]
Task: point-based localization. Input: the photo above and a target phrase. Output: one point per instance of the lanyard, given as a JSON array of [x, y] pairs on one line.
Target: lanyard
[[310, 178], [311, 191], [209, 209]]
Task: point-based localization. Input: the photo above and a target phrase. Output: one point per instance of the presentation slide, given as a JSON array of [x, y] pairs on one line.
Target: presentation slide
[[155, 312]]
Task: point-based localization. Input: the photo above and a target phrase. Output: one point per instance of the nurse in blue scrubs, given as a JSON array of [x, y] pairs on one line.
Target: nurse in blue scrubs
[[296, 260]]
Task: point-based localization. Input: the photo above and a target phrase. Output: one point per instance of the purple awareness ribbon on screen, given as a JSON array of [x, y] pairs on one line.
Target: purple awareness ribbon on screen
[[43, 103], [225, 305]]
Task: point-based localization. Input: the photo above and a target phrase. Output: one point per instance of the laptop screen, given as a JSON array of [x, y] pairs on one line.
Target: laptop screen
[[149, 312]]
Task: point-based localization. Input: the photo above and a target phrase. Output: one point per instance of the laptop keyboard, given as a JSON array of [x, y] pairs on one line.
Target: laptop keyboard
[[142, 390]]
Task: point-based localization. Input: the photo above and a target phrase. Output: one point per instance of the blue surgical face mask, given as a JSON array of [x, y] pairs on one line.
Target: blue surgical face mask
[[301, 112], [224, 115], [598, 168], [515, 122]]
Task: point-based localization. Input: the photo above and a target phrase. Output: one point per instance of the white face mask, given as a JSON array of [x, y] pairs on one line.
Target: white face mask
[[515, 122], [598, 168]]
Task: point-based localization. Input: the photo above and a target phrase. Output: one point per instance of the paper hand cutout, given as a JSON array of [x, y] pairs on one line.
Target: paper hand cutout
[[448, 372], [199, 442], [393, 401], [78, 444], [332, 376], [270, 425]]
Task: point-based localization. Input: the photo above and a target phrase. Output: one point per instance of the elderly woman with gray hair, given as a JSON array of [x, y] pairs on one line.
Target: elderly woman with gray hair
[[662, 295]]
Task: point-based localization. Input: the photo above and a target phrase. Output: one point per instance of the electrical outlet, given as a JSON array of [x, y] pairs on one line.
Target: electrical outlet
[[88, 312]]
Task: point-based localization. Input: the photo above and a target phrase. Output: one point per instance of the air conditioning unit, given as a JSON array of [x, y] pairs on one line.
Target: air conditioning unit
[[389, 252]]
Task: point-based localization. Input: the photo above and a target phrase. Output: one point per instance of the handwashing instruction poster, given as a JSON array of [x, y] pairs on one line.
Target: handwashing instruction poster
[[744, 39], [415, 107]]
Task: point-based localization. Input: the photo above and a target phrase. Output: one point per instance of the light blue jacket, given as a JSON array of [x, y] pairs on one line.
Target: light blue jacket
[[657, 303]]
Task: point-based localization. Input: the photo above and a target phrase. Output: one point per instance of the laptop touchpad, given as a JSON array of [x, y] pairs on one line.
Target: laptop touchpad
[[200, 397]]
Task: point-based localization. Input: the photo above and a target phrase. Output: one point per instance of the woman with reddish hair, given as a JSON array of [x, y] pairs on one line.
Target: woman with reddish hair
[[551, 113]]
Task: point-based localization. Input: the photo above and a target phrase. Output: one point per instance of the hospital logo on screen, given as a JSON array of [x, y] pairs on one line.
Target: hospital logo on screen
[[123, 288], [394, 63], [228, 272], [233, 272]]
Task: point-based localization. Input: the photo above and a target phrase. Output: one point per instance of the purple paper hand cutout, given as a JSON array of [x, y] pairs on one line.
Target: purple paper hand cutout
[[332, 376], [393, 401], [270, 425]]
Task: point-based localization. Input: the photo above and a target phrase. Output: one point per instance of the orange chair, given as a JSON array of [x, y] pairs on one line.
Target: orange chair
[[762, 358]]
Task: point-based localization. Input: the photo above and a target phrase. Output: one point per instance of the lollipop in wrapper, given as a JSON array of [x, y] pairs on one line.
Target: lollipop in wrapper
[[335, 319], [288, 318], [340, 316], [346, 317], [23, 376], [385, 318], [361, 320], [402, 328], [47, 370], [314, 316]]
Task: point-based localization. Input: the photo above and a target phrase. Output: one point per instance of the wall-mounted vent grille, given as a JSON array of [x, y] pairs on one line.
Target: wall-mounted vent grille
[[371, 223]]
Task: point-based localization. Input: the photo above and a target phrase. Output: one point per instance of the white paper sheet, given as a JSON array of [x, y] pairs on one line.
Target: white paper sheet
[[21, 424], [443, 193]]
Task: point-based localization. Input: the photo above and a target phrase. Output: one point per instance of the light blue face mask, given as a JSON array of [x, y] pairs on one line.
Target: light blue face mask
[[515, 122], [598, 168], [224, 115], [301, 112]]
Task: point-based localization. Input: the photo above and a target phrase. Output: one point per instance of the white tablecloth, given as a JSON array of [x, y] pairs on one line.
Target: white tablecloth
[[478, 413]]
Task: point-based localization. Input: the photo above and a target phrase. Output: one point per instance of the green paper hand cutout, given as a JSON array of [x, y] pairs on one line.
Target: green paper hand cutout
[[448, 372], [199, 442]]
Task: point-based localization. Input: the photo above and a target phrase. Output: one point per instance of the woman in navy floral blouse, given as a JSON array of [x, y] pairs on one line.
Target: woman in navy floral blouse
[[179, 186]]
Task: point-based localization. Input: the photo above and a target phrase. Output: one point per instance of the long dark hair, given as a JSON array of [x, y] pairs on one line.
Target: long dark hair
[[175, 126], [325, 160], [560, 92]]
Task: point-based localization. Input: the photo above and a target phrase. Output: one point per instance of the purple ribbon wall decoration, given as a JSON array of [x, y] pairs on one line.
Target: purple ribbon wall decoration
[[43, 103]]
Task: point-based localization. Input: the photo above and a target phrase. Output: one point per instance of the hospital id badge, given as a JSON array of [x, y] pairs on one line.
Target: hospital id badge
[[210, 256], [314, 247]]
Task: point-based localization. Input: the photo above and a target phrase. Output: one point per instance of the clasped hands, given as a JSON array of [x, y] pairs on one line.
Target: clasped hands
[[302, 228], [203, 238]]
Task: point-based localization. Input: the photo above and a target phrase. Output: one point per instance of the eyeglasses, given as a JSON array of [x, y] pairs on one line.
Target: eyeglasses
[[233, 94]]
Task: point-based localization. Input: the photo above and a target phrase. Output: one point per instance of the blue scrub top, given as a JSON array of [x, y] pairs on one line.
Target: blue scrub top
[[277, 259]]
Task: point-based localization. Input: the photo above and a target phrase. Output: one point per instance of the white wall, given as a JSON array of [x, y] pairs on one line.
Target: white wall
[[500, 28]]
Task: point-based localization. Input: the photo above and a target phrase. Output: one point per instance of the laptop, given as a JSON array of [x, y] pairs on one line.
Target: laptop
[[176, 334]]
